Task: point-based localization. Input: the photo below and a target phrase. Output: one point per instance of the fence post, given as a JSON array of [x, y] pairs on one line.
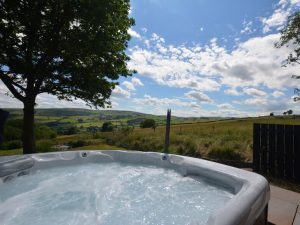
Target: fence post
[[256, 147]]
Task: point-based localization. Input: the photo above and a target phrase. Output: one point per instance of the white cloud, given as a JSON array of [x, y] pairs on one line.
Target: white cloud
[[254, 92], [284, 8], [277, 19], [136, 81], [225, 106], [232, 92], [256, 101], [201, 97], [247, 28], [255, 62], [277, 94], [134, 34], [119, 92], [295, 2], [164, 102], [43, 101], [129, 86]]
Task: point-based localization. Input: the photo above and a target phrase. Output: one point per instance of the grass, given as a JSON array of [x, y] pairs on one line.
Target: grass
[[18, 151], [100, 146]]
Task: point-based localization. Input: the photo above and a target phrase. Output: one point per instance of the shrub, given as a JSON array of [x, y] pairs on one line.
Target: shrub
[[8, 145], [188, 148], [78, 143], [107, 127], [225, 153], [44, 132], [126, 130], [71, 130], [12, 133], [148, 123], [44, 146]]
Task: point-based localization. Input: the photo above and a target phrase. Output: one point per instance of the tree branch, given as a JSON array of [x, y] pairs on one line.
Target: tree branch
[[18, 86], [10, 85]]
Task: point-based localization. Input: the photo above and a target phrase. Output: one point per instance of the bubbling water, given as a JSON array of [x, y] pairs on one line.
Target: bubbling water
[[109, 194]]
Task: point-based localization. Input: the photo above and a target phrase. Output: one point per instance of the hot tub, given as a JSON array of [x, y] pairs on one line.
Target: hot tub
[[127, 187]]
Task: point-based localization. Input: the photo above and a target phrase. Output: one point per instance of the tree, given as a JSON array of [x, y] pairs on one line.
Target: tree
[[71, 130], [107, 127], [70, 49], [148, 123], [271, 114], [290, 36], [289, 112]]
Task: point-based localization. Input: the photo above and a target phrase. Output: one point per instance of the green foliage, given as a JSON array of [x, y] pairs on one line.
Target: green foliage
[[107, 127], [8, 145], [93, 129], [12, 133], [290, 36], [64, 48], [44, 132], [78, 143], [225, 153], [17, 123], [148, 123], [71, 130], [77, 49], [44, 146], [188, 148], [126, 130]]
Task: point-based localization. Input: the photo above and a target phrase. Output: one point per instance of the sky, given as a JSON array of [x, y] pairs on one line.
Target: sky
[[202, 58]]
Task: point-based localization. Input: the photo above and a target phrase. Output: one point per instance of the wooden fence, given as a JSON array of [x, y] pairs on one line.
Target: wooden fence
[[276, 150]]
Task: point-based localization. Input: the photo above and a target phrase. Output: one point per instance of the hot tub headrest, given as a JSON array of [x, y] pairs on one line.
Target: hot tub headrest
[[13, 165]]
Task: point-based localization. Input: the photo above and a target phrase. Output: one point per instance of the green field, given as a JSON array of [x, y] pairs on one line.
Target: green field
[[213, 138]]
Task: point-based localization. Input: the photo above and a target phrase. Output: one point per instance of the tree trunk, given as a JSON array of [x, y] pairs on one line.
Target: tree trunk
[[28, 128]]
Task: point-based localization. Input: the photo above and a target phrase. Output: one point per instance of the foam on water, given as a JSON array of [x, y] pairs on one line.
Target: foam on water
[[109, 194]]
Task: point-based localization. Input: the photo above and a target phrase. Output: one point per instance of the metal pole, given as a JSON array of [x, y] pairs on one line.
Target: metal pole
[[167, 135]]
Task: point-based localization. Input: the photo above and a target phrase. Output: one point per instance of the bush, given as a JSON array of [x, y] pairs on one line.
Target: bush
[[107, 127], [93, 129], [78, 143], [225, 153], [71, 130], [126, 130], [44, 132], [188, 148], [44, 146], [17, 123], [148, 123], [12, 133], [8, 145]]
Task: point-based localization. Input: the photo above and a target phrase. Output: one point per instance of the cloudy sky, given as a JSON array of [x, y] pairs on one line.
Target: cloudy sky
[[202, 58]]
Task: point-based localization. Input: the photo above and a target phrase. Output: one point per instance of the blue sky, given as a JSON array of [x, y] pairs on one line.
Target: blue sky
[[202, 58]]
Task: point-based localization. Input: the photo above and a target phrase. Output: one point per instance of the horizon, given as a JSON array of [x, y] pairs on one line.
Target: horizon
[[201, 59], [145, 113]]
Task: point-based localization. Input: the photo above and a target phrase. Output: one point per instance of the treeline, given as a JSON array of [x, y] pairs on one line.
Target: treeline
[[13, 134]]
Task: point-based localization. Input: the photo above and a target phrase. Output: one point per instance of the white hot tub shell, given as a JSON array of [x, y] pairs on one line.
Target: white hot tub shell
[[247, 207]]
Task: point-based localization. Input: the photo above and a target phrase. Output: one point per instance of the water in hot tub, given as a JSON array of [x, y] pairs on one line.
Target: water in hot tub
[[109, 194]]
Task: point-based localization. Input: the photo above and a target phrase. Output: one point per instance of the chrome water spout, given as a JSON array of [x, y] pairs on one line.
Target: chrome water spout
[[167, 135]]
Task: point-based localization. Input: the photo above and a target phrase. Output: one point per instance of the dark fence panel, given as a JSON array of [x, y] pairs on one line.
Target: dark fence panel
[[276, 150]]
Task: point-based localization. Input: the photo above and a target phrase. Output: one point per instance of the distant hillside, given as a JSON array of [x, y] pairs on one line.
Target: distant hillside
[[73, 112], [59, 115]]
